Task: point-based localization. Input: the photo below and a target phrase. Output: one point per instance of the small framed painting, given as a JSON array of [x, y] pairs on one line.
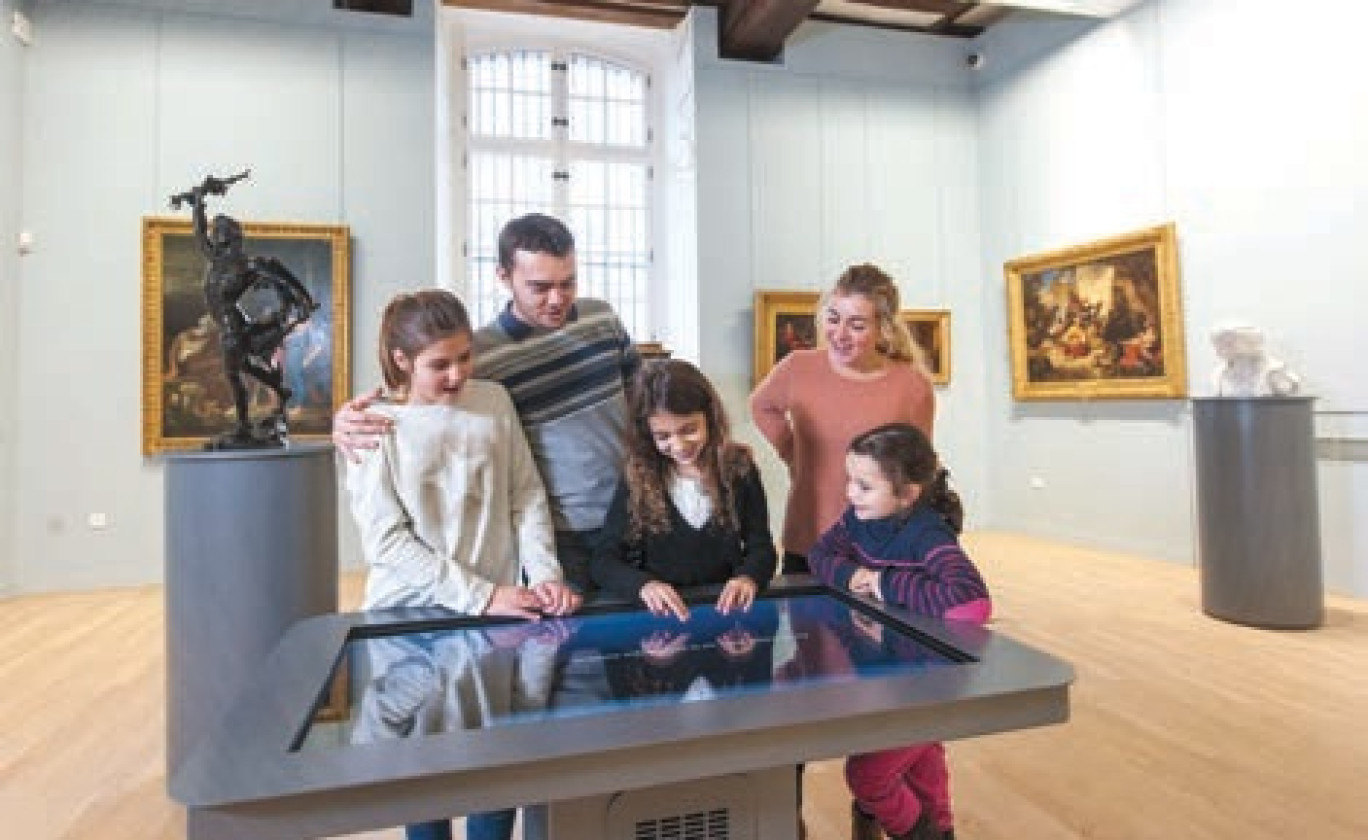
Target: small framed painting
[[930, 328], [784, 321]]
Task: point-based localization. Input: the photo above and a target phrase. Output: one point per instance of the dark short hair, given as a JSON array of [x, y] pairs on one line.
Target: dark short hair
[[535, 233]]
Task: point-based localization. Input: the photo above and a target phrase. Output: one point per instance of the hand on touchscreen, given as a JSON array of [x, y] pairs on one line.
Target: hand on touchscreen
[[738, 594], [866, 582], [662, 599], [514, 602], [555, 598]]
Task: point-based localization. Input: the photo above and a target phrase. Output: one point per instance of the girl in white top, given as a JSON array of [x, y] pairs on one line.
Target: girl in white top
[[450, 507]]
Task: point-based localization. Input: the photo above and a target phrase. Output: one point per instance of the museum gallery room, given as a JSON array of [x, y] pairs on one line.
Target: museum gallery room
[[1125, 237]]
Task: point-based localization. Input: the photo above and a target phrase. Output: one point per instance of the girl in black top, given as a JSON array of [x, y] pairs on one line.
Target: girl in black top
[[690, 510]]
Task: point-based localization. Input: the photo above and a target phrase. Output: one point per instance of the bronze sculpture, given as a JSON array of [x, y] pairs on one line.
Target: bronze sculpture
[[251, 341]]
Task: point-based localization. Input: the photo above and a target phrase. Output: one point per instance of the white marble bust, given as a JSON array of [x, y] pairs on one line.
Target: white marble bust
[[1246, 369]]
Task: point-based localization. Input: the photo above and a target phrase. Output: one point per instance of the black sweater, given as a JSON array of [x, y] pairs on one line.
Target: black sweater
[[687, 556]]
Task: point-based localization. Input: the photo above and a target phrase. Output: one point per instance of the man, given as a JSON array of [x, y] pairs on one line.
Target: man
[[566, 363]]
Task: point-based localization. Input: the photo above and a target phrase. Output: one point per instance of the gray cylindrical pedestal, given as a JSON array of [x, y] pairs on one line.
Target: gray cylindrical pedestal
[[251, 548], [1258, 517]]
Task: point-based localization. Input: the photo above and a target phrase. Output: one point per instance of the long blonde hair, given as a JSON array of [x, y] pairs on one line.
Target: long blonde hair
[[875, 285]]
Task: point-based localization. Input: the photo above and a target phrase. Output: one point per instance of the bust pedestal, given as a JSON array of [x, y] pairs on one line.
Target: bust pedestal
[[1258, 516], [251, 548]]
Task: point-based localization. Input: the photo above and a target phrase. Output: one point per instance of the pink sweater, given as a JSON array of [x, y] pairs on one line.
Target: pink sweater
[[809, 413]]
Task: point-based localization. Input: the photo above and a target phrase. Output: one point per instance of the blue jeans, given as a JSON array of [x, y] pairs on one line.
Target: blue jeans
[[493, 825]]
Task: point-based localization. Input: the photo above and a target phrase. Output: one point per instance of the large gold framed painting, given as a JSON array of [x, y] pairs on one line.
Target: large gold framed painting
[[186, 395], [1098, 321]]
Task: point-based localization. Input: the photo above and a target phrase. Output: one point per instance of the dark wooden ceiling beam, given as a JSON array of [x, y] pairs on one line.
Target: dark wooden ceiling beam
[[751, 29], [932, 7], [951, 25], [657, 14], [755, 30], [949, 12]]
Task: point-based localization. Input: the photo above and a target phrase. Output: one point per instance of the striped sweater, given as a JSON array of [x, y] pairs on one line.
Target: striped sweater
[[569, 387], [921, 564]]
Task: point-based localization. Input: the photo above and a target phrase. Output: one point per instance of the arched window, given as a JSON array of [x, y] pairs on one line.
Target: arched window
[[565, 133]]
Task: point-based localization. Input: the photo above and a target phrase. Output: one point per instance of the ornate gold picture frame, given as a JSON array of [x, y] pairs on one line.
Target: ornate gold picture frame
[[930, 328], [185, 393], [784, 322], [1098, 321]]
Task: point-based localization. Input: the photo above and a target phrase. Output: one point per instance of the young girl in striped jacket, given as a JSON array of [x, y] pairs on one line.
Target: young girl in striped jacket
[[897, 542]]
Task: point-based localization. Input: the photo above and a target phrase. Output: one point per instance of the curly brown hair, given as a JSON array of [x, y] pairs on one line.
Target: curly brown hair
[[679, 388]]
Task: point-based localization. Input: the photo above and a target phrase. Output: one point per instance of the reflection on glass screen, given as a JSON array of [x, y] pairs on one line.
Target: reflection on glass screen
[[409, 685]]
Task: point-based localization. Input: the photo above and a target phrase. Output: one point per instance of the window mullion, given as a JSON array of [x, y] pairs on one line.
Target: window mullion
[[560, 109]]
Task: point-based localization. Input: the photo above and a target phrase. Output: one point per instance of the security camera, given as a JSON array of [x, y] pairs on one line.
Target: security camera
[[975, 61]]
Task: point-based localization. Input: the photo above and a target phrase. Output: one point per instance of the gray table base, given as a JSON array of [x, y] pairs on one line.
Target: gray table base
[[762, 805]]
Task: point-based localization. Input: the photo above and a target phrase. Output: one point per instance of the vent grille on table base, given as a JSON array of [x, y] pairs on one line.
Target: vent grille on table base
[[719, 808], [698, 825]]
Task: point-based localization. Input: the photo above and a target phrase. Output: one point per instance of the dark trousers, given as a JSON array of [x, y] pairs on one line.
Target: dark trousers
[[795, 564]]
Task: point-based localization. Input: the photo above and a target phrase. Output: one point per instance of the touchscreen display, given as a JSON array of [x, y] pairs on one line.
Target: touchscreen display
[[412, 684]]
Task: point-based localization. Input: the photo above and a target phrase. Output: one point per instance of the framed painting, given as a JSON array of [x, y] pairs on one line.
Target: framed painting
[[784, 322], [651, 350], [1098, 321], [185, 393], [930, 328]]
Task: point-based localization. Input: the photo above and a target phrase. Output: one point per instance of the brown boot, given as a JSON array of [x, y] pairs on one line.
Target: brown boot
[[925, 829], [862, 825]]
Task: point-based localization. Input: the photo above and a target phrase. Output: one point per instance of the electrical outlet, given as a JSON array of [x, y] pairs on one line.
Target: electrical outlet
[[1037, 482], [98, 521]]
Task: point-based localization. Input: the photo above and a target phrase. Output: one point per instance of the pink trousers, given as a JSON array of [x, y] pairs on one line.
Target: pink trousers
[[895, 786]]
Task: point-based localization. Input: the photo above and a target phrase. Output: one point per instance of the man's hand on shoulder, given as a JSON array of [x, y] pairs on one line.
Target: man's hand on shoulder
[[356, 429]]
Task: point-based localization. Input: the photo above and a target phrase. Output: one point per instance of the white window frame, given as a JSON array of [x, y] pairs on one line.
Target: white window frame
[[646, 321]]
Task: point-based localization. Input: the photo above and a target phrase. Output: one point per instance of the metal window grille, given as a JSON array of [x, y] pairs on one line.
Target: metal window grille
[[567, 135]]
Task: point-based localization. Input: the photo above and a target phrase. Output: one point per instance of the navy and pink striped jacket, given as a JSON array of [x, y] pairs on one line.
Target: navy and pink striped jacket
[[921, 564]]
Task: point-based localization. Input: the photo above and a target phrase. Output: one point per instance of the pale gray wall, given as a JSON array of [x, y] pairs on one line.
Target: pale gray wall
[[12, 59], [859, 147], [124, 104], [1082, 129], [1252, 142]]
